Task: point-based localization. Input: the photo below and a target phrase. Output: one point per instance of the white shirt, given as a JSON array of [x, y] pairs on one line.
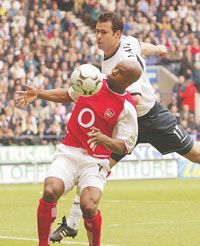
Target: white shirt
[[130, 47]]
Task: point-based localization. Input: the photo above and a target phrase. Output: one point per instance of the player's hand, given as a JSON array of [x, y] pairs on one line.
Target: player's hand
[[96, 137], [24, 98], [162, 50]]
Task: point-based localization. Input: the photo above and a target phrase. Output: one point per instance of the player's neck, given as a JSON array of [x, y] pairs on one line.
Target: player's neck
[[111, 51], [113, 87]]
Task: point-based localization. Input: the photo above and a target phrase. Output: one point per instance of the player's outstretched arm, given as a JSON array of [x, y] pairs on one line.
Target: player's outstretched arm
[[55, 95], [24, 98], [150, 49]]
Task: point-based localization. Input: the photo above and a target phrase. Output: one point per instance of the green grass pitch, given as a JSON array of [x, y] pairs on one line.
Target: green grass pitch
[[135, 213]]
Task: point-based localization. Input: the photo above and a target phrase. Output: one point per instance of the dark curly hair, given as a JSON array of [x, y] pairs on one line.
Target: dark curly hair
[[114, 18]]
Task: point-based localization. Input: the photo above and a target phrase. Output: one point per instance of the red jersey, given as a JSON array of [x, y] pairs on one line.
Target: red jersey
[[102, 111]]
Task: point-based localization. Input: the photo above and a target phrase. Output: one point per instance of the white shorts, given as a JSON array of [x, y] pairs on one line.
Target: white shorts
[[75, 167]]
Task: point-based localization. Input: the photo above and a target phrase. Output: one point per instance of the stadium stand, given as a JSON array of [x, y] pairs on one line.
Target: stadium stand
[[41, 42]]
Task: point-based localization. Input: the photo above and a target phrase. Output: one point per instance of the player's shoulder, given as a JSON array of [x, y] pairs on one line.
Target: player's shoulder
[[129, 105], [129, 98], [129, 39]]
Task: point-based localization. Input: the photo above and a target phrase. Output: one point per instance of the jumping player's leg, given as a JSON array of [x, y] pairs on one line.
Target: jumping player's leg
[[159, 128], [194, 154]]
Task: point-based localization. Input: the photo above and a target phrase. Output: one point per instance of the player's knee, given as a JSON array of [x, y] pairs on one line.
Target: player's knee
[[49, 194], [89, 208], [196, 158], [197, 155], [89, 200], [52, 190], [194, 154]]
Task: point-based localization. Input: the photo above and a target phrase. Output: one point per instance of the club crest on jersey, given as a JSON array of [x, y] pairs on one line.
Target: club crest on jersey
[[109, 113]]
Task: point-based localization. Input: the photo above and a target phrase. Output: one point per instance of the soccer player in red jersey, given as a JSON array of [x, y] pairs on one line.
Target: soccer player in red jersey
[[100, 124]]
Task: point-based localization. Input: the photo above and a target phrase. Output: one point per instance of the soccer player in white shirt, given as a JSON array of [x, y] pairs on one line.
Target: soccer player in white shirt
[[156, 124], [82, 159]]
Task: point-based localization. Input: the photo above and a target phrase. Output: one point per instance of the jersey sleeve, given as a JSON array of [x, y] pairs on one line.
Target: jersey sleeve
[[74, 95], [135, 87], [126, 128], [135, 45]]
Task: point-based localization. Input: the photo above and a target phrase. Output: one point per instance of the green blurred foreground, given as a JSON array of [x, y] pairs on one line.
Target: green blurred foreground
[[135, 213]]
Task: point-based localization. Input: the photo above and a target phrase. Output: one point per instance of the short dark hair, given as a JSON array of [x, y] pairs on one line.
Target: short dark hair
[[114, 18]]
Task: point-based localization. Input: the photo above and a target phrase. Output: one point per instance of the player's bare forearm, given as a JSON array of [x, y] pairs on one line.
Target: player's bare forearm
[[24, 98], [150, 49], [55, 95], [114, 145], [112, 163]]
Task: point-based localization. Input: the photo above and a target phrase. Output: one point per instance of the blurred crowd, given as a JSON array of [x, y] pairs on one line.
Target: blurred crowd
[[40, 45]]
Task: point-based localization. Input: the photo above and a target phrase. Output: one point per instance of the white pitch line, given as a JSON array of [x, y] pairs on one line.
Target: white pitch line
[[137, 201], [168, 222], [34, 239], [156, 201], [159, 222]]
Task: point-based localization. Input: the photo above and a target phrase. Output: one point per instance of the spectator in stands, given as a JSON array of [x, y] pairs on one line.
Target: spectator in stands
[[17, 139], [78, 7], [173, 102], [54, 133], [196, 75], [42, 139], [28, 135], [178, 88], [17, 70], [6, 134], [184, 113], [188, 95], [192, 126], [108, 5], [171, 12], [175, 111], [186, 64], [2, 10]]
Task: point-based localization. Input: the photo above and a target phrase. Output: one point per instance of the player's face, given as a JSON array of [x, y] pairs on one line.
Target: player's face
[[124, 73], [118, 78], [107, 40]]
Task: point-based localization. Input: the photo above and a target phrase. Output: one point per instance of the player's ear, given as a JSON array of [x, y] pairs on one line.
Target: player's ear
[[115, 71], [118, 33]]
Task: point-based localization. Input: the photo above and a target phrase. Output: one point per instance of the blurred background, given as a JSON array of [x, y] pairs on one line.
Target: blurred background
[[42, 41]]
